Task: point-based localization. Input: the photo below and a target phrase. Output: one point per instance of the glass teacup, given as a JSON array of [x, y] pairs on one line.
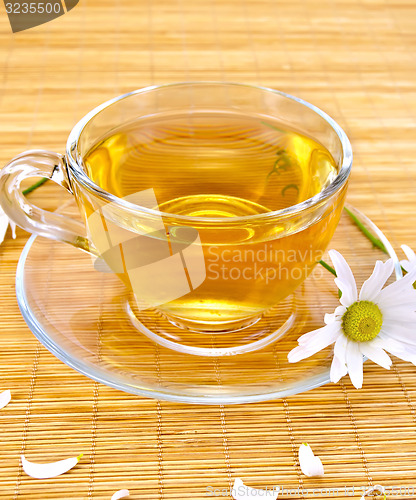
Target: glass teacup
[[212, 202]]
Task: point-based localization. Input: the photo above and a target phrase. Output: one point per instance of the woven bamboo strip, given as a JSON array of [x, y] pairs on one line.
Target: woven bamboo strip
[[353, 59]]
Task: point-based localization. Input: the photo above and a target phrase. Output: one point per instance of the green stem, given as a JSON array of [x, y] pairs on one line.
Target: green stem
[[35, 186], [375, 241], [273, 127], [331, 270], [327, 267]]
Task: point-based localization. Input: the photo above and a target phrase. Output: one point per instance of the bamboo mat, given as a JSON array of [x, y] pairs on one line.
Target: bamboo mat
[[356, 60]]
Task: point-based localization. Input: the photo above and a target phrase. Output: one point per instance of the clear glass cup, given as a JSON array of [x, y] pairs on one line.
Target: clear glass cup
[[190, 242]]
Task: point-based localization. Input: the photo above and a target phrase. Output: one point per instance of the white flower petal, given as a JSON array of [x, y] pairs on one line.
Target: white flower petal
[[241, 492], [310, 464], [406, 265], [340, 311], [5, 398], [120, 494], [354, 360], [410, 254], [338, 370], [371, 287], [340, 348], [399, 313], [13, 228], [391, 298], [400, 288], [45, 471], [307, 338], [404, 356], [376, 354], [402, 350], [323, 336], [400, 331], [329, 318], [345, 280], [4, 223], [298, 353], [319, 340], [336, 315], [338, 366]]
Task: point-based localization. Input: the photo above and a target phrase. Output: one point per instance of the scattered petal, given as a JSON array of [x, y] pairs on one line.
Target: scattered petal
[[5, 398], [310, 464], [46, 471], [120, 494], [242, 492], [13, 228]]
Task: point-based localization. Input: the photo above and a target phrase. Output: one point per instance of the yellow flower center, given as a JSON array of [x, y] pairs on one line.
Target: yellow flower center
[[362, 321]]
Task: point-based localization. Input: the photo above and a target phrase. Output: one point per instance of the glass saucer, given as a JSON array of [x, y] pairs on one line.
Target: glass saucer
[[80, 315]]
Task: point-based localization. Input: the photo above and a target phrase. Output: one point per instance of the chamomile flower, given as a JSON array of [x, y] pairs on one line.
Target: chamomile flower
[[369, 324]]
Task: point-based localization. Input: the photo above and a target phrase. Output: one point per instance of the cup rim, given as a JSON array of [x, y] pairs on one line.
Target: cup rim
[[81, 176]]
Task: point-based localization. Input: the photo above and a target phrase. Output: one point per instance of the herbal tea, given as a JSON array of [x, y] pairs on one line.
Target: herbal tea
[[223, 165], [212, 165]]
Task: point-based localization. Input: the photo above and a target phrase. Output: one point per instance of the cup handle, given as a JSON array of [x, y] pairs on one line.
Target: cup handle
[[39, 163]]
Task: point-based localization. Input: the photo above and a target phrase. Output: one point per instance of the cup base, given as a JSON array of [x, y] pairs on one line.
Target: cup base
[[218, 328], [237, 338]]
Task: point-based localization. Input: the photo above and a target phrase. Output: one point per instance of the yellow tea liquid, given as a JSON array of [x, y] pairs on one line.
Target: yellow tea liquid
[[225, 165]]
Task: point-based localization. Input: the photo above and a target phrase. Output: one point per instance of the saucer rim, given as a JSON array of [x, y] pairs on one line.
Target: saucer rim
[[99, 375]]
